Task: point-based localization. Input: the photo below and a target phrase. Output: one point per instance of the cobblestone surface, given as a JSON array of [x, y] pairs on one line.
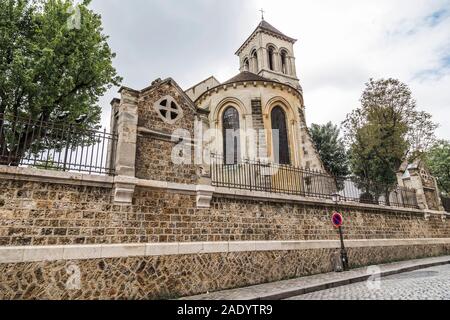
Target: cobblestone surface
[[427, 284], [288, 288]]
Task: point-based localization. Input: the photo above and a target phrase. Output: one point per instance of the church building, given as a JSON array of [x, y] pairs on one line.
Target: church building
[[266, 94], [264, 97]]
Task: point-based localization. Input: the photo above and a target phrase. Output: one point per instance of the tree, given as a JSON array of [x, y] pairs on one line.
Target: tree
[[50, 70], [385, 131], [331, 148], [438, 160]]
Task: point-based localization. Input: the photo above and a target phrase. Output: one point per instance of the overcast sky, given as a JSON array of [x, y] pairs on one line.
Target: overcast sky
[[341, 45]]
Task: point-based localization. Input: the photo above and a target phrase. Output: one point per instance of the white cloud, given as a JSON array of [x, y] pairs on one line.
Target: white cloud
[[344, 43], [341, 45]]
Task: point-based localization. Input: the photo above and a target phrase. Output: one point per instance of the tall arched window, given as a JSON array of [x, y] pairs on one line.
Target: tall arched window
[[255, 61], [246, 65], [231, 136], [284, 66], [280, 135], [271, 58]]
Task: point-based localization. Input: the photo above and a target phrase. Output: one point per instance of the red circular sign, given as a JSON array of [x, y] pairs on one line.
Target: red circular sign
[[337, 220]]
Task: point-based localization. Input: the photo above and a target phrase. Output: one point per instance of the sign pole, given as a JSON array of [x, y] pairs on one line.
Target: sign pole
[[344, 255], [338, 221]]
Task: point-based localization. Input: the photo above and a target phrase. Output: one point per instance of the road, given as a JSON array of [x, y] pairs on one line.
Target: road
[[427, 284]]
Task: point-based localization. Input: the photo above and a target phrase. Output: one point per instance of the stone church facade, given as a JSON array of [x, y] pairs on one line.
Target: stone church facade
[[264, 98]]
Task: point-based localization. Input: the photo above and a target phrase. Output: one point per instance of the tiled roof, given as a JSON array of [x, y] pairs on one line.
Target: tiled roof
[[264, 26], [246, 76], [268, 27]]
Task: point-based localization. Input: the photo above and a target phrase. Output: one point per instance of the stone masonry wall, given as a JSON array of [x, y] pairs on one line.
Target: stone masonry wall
[[154, 151], [33, 213], [148, 117], [182, 275], [154, 162]]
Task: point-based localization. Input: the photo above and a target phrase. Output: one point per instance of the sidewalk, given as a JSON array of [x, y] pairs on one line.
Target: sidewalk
[[291, 288]]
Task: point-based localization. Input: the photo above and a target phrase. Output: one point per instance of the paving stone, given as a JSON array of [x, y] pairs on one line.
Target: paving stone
[[428, 284], [428, 277]]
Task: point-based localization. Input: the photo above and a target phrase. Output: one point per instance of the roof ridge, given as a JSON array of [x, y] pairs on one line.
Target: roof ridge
[[204, 80], [267, 27], [246, 76]]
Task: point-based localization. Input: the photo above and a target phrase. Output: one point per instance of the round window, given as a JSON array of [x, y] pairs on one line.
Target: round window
[[168, 110]]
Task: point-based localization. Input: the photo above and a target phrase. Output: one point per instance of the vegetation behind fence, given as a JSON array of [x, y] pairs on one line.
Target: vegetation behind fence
[[284, 179], [55, 145]]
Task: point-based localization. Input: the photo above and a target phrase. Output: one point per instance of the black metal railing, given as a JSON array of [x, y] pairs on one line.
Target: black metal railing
[[55, 145], [286, 179], [446, 203]]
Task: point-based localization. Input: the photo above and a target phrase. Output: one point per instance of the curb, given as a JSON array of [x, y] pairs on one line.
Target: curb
[[339, 283]]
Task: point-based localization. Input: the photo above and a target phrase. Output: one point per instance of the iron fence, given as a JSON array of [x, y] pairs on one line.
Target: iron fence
[[446, 203], [286, 179], [55, 145]]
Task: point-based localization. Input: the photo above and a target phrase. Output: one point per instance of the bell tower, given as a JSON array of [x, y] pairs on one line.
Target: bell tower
[[269, 53]]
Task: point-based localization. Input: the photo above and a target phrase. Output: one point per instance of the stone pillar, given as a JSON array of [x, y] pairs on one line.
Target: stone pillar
[[111, 152], [289, 66], [438, 196], [277, 62], [205, 190], [125, 161], [416, 183], [203, 147], [427, 191], [293, 67], [262, 59]]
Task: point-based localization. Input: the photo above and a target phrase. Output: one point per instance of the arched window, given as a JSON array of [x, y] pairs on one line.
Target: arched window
[[280, 136], [271, 58], [231, 136], [284, 66], [246, 65], [255, 61]]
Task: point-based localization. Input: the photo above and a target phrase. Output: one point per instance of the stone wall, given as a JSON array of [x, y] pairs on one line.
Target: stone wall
[[154, 162], [42, 213], [432, 199], [252, 238], [181, 275], [154, 145]]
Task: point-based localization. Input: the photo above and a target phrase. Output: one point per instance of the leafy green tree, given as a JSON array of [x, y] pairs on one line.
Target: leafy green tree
[[438, 160], [385, 131], [55, 63], [331, 148]]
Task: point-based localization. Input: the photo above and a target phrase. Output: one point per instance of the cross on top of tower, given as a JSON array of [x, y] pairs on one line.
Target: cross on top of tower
[[262, 13]]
